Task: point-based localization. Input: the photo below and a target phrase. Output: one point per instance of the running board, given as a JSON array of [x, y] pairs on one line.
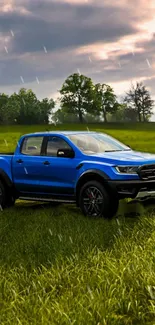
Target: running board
[[26, 198]]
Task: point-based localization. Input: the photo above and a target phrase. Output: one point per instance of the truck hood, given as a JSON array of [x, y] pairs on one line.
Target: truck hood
[[125, 157]]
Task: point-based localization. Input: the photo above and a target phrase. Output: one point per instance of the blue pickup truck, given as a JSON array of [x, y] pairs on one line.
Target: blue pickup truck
[[90, 169]]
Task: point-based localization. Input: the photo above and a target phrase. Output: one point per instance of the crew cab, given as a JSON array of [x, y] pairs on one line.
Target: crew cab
[[90, 169]]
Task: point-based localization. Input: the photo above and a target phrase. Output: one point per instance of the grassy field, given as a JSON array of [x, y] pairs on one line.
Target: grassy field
[[58, 267]]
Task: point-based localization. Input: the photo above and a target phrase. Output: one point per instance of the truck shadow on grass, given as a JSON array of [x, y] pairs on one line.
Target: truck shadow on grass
[[36, 234], [135, 208], [132, 208]]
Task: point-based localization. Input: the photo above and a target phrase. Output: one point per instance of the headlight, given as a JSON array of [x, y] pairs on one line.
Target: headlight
[[127, 169]]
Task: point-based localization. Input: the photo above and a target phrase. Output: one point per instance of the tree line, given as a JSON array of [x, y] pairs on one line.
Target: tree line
[[81, 101]]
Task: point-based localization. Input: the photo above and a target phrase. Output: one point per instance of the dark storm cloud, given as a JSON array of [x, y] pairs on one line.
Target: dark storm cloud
[[149, 45], [107, 71], [44, 67], [60, 25], [11, 71], [57, 36], [150, 84]]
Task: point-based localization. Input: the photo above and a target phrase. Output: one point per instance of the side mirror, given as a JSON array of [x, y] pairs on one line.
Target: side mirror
[[32, 148], [66, 153]]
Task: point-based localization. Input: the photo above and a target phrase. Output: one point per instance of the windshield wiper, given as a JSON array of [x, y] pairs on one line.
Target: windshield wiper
[[112, 150], [117, 150]]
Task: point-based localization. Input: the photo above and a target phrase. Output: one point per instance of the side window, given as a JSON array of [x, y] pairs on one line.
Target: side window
[[32, 146], [54, 144]]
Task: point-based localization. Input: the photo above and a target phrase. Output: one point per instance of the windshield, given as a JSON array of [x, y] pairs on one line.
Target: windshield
[[97, 143]]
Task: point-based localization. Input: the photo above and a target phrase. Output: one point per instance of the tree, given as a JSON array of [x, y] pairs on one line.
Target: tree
[[130, 115], [24, 108], [9, 109], [29, 107], [106, 99], [78, 96], [119, 115], [139, 99], [123, 114], [3, 112], [61, 116], [12, 109], [46, 106], [33, 111]]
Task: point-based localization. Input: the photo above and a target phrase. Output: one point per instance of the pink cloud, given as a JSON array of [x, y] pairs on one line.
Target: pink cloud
[[13, 5]]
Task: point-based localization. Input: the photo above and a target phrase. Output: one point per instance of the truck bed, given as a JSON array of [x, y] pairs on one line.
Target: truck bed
[[6, 153]]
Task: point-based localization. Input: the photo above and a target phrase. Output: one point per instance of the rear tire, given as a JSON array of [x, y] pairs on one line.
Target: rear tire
[[2, 195], [7, 200], [95, 201], [10, 201]]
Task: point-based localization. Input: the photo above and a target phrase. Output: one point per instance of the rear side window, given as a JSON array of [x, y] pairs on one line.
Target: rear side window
[[32, 146]]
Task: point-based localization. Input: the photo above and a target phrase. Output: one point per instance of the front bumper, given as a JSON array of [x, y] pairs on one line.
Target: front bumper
[[132, 188]]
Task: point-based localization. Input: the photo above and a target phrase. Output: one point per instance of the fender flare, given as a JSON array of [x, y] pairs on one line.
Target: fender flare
[[97, 172]]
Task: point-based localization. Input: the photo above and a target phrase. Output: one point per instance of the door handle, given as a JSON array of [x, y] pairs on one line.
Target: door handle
[[46, 163], [19, 161]]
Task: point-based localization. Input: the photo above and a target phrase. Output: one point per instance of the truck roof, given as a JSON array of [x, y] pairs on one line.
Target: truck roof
[[60, 132]]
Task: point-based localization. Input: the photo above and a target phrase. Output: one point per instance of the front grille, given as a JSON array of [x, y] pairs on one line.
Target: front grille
[[147, 172]]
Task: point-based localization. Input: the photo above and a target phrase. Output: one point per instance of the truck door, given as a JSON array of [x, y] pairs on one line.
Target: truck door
[[58, 174], [26, 165]]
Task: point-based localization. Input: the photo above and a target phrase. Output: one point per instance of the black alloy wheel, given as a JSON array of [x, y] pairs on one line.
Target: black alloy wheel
[[95, 201]]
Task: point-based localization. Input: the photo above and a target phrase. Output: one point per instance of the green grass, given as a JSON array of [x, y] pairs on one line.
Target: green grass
[[58, 267]]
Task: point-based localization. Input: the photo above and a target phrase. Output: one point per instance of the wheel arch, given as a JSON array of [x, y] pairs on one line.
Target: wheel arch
[[5, 179], [90, 175]]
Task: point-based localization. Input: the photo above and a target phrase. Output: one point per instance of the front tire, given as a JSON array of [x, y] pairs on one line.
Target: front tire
[[95, 201]]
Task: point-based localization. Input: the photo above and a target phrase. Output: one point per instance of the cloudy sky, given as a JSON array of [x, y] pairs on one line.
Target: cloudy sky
[[44, 41]]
